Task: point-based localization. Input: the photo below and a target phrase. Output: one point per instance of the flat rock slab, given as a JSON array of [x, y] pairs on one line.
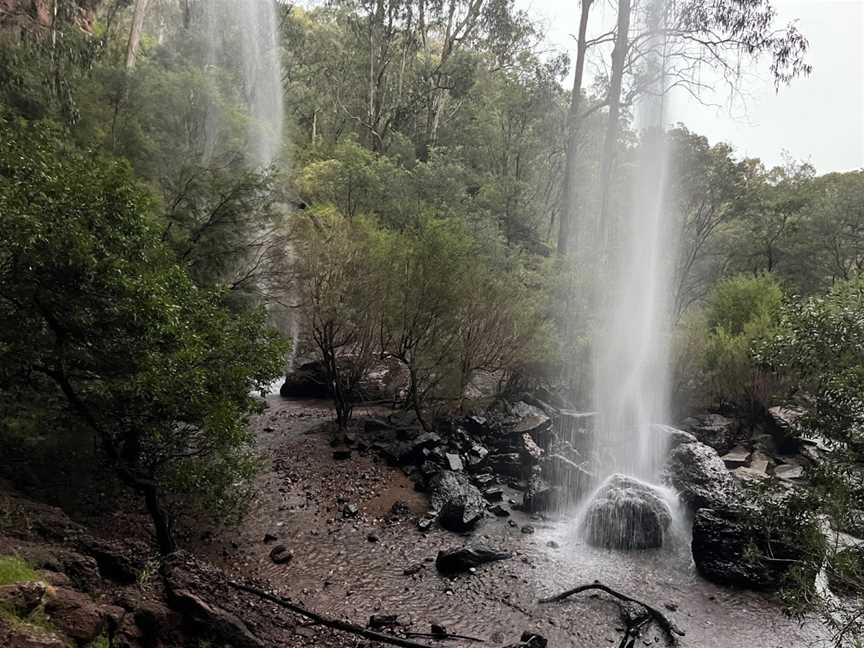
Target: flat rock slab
[[736, 457]]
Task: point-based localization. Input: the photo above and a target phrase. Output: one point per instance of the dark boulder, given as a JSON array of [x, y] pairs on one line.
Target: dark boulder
[[452, 561], [626, 514], [715, 430], [386, 380], [281, 555], [730, 548], [700, 476], [782, 423], [459, 503]]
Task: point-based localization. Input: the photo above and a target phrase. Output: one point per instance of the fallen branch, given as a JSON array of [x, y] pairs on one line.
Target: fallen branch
[[666, 624], [444, 637], [343, 626]]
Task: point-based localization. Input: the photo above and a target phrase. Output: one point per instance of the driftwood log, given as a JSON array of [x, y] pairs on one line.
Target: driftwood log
[[672, 631]]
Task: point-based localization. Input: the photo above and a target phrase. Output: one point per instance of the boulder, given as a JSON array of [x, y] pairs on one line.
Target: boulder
[[699, 475], [736, 457], [22, 598], [76, 615], [459, 503], [530, 451], [729, 548], [508, 464], [23, 635], [626, 514], [671, 437], [782, 424], [118, 561], [196, 590], [715, 430], [386, 380], [452, 561]]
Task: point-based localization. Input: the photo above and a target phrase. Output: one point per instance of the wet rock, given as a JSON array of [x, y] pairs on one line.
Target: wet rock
[[671, 437], [379, 621], [542, 497], [451, 561], [566, 473], [730, 548], [508, 464], [789, 471], [626, 514], [350, 511], [270, 537], [438, 630], [760, 462], [425, 523], [454, 462], [281, 555], [700, 476], [484, 479], [527, 529], [413, 569], [499, 511], [736, 457], [493, 494], [531, 419], [400, 507], [715, 430], [458, 502], [530, 451], [372, 536], [552, 544]]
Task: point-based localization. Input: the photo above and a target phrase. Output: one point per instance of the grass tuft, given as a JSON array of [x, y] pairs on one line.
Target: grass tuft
[[15, 570]]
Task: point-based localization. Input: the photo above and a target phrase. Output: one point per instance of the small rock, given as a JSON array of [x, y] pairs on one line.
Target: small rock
[[527, 529], [425, 523], [499, 511], [493, 494], [281, 555], [552, 544], [372, 537], [789, 471], [464, 558], [400, 508], [269, 537], [533, 640], [378, 621], [350, 511], [438, 630], [512, 523], [413, 569], [454, 462]]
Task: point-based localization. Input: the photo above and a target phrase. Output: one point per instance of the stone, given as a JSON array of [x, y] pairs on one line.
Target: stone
[[715, 430], [451, 561], [499, 511], [270, 537], [484, 479], [493, 494], [193, 591], [736, 457], [626, 514], [413, 569], [22, 598], [350, 511], [281, 555], [372, 536], [783, 425], [75, 614], [670, 436], [760, 462], [552, 544], [454, 462], [531, 639], [19, 635], [789, 471], [425, 523], [508, 464], [438, 630], [699, 475], [459, 503], [530, 451], [728, 546], [118, 561], [400, 507], [527, 529], [378, 621]]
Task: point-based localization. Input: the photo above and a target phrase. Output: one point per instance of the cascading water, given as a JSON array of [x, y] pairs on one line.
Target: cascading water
[[629, 508], [244, 35]]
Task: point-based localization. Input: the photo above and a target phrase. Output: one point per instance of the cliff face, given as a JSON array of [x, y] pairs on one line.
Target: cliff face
[[35, 16]]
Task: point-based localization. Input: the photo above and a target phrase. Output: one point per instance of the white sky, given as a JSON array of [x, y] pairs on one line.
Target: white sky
[[819, 119]]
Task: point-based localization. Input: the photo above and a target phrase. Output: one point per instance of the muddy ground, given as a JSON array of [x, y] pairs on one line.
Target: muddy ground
[[354, 567]]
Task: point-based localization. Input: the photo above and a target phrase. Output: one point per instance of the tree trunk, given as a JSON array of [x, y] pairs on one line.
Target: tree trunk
[[135, 32], [613, 125], [162, 521], [566, 217]]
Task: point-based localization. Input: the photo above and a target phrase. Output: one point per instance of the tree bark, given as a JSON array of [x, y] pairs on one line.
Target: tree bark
[[574, 121], [613, 125], [138, 15], [162, 522]]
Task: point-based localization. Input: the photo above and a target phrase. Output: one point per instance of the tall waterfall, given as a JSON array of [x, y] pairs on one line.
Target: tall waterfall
[[632, 286], [244, 34]]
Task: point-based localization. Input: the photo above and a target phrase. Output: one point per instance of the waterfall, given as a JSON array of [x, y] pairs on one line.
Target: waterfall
[[632, 290], [244, 35]]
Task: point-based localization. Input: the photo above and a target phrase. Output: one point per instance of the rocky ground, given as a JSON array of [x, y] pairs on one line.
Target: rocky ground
[[352, 549], [340, 524]]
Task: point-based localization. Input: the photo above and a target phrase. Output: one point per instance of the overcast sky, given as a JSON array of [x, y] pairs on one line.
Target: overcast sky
[[819, 119]]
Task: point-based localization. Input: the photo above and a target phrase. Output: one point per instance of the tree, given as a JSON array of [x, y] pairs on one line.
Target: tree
[[94, 307]]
